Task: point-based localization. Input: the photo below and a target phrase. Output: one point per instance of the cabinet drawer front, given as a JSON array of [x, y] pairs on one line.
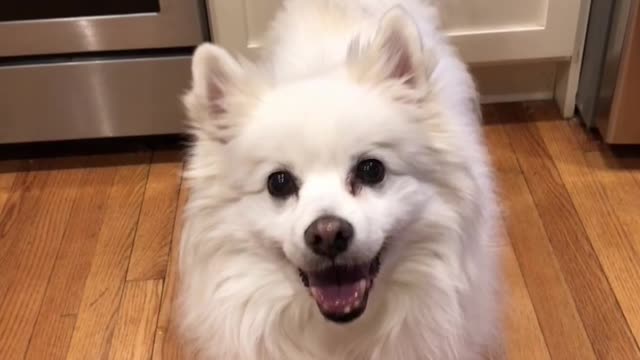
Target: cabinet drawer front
[[174, 24]]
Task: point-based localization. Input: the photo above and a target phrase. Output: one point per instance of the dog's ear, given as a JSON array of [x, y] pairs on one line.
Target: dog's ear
[[219, 83], [394, 53], [214, 74]]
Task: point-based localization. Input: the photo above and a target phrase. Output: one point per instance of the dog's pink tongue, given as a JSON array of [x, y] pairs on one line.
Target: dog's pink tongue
[[339, 299]]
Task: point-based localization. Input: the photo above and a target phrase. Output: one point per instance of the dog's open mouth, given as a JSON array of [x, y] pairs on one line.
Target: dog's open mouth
[[341, 291]]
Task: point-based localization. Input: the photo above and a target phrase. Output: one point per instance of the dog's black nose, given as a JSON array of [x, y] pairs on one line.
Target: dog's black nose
[[329, 236]]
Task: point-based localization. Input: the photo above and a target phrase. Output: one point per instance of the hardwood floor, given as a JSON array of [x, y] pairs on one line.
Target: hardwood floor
[[88, 245]]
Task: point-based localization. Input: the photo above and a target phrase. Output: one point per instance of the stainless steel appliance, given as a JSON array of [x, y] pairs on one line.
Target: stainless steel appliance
[[72, 69], [609, 86]]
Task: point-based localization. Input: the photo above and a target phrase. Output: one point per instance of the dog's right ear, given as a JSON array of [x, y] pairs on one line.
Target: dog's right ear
[[217, 79], [215, 73]]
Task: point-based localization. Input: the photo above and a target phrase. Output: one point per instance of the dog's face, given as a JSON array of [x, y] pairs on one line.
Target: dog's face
[[328, 170]]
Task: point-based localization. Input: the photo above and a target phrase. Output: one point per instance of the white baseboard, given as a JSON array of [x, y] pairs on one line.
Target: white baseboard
[[515, 97]]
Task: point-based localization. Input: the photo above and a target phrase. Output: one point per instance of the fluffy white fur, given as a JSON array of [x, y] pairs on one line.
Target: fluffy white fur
[[339, 79]]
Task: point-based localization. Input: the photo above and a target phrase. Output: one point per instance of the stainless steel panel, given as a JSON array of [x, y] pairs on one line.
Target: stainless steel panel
[[180, 23], [92, 99], [597, 38], [618, 119], [624, 11]]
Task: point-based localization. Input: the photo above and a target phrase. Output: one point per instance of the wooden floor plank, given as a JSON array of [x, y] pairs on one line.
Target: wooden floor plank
[[557, 313], [13, 180], [153, 238], [524, 338], [7, 175], [136, 324], [502, 157], [35, 235], [167, 344], [570, 211], [597, 304], [621, 189], [630, 162], [21, 204], [623, 194], [8, 171], [614, 247], [101, 299], [636, 173], [55, 324], [586, 139]]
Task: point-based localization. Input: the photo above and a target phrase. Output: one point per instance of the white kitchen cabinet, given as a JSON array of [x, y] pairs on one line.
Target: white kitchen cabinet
[[483, 30], [538, 32]]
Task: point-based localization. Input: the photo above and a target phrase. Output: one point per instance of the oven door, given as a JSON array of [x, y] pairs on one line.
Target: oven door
[[46, 27]]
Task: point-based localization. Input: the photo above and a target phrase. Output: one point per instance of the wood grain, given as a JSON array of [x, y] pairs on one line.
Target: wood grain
[[34, 238], [136, 325], [72, 233], [621, 189], [153, 238], [8, 171], [57, 319], [587, 141], [167, 344], [597, 304], [502, 157], [557, 313], [623, 194], [13, 179], [614, 246], [635, 172], [101, 299], [21, 204], [524, 338]]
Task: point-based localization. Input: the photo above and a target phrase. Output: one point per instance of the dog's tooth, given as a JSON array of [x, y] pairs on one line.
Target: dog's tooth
[[362, 285], [347, 309]]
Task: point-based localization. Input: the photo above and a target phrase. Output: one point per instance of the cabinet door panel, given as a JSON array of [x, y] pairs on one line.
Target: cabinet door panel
[[509, 30], [483, 30], [468, 16]]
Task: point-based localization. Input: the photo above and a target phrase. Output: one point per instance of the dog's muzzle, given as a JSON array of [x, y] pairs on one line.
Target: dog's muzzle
[[342, 291]]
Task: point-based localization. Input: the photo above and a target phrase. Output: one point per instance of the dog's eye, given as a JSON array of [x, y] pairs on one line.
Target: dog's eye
[[370, 171], [281, 184]]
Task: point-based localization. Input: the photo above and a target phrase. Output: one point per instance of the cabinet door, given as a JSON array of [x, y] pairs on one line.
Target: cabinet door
[[483, 30], [238, 25]]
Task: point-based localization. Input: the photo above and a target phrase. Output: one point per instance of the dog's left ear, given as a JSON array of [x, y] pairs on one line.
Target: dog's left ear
[[395, 52]]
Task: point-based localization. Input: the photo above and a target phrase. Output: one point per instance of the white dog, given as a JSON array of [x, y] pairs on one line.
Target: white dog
[[341, 201]]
